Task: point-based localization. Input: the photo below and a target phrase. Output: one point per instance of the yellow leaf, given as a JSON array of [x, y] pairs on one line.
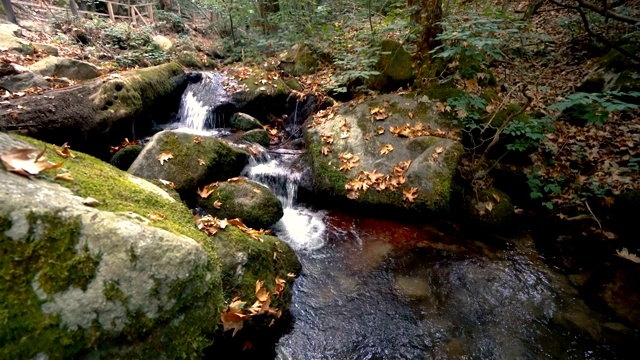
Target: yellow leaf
[[410, 194], [235, 179], [201, 162], [64, 151], [165, 156], [439, 149], [344, 135], [197, 140], [157, 216]]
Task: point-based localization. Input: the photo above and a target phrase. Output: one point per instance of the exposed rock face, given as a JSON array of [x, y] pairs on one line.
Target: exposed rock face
[[25, 80], [193, 164], [354, 131], [394, 66], [109, 282], [100, 112], [9, 40], [255, 204], [63, 67]]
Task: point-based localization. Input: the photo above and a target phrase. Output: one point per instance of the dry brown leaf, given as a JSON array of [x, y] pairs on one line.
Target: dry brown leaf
[[157, 216], [64, 151], [410, 194], [18, 161], [235, 179], [64, 176], [165, 156], [380, 130], [410, 114], [326, 150], [385, 149], [197, 140], [167, 183], [201, 162], [206, 191], [625, 254], [439, 149], [217, 204]]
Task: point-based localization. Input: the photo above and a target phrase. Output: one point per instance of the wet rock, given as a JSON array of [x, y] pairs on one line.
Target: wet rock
[[621, 292], [255, 204], [46, 49], [125, 157], [25, 80], [492, 208], [63, 67], [263, 97], [219, 160], [413, 287], [394, 66], [244, 122], [433, 159], [258, 136], [299, 60], [10, 40]]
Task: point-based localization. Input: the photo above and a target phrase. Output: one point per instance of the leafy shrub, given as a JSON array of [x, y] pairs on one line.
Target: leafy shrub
[[597, 107]]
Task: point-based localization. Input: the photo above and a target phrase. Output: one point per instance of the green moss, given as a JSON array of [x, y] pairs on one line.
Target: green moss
[[443, 92], [117, 193], [188, 59], [132, 94], [501, 208], [615, 61], [327, 178], [125, 157], [503, 114], [48, 252], [112, 292], [489, 94], [258, 136]]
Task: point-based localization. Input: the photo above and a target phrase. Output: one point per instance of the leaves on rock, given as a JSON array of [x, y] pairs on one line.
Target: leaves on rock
[[64, 176], [327, 138], [207, 190], [348, 161], [326, 150], [122, 145], [167, 183], [201, 162], [89, 201], [625, 254], [235, 180], [197, 139], [157, 216], [64, 151], [164, 156], [385, 149], [217, 204], [410, 194], [20, 161]]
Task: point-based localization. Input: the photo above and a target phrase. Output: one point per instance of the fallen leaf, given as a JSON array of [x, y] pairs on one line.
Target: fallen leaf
[[156, 216], [197, 140], [291, 275], [64, 151], [410, 194], [326, 150], [410, 114], [235, 179], [625, 254], [439, 149], [165, 156], [380, 130], [167, 183], [385, 149], [89, 201], [206, 191], [217, 204], [18, 161], [344, 135], [64, 176], [201, 162]]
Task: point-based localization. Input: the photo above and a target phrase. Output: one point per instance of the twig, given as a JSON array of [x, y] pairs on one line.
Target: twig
[[592, 214]]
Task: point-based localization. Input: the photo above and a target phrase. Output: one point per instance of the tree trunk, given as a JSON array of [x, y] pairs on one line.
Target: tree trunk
[[8, 8], [98, 113], [429, 15], [74, 8]]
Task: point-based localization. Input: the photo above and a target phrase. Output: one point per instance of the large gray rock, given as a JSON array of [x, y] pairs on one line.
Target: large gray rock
[[26, 80], [192, 164], [299, 60], [9, 40], [394, 66], [63, 67], [46, 49], [79, 280], [355, 131], [255, 204]]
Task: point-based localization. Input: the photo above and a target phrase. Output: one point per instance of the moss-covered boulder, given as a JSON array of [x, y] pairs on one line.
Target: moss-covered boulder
[[260, 94], [188, 163], [63, 67], [255, 204], [398, 141], [104, 281], [491, 209], [394, 66], [100, 112], [244, 122], [131, 277], [613, 72], [299, 60], [124, 157], [258, 136]]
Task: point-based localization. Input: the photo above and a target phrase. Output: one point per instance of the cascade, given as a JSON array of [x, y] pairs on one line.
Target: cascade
[[204, 103]]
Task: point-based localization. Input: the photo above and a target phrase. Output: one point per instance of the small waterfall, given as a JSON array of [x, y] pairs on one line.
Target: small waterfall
[[302, 228], [205, 103]]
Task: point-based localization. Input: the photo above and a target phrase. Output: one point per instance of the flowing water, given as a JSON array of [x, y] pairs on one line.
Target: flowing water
[[378, 289]]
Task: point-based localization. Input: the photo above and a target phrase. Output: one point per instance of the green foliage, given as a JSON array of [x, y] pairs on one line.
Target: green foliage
[[540, 189], [171, 20], [598, 106], [528, 134], [467, 109]]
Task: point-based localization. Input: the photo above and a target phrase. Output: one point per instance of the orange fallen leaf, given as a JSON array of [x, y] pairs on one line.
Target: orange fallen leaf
[[156, 216], [380, 130], [64, 151], [385, 149], [410, 194], [205, 191], [217, 204], [165, 156], [201, 162], [167, 183], [235, 179], [410, 115], [326, 150], [197, 140]]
